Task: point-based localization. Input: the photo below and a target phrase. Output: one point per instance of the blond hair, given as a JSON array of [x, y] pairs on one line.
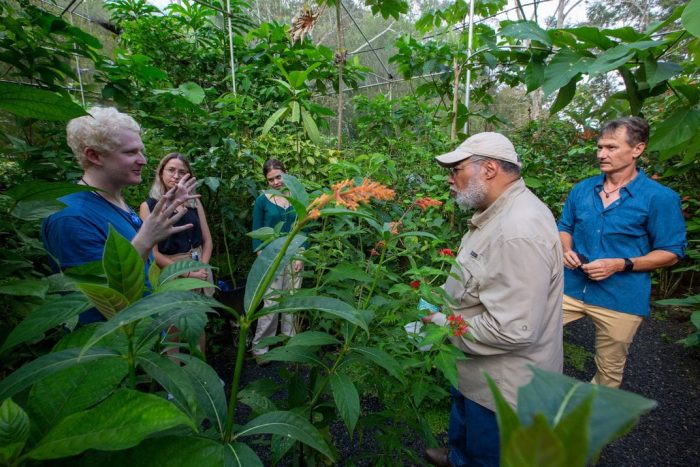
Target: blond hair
[[98, 131]]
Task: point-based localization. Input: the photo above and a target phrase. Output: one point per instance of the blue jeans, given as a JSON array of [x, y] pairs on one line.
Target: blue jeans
[[473, 434]]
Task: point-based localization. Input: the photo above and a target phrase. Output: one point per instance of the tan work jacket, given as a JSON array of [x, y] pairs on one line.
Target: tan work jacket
[[509, 287]]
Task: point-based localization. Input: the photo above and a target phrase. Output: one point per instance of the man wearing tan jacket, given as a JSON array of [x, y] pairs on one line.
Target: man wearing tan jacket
[[509, 291]]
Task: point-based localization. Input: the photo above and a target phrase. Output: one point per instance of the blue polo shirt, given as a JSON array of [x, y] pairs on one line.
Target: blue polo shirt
[[646, 217]]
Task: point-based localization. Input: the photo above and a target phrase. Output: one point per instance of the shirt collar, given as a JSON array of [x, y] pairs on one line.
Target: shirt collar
[[481, 218], [631, 187]]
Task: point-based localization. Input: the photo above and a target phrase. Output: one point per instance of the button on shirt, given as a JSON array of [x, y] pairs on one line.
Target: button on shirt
[[646, 217]]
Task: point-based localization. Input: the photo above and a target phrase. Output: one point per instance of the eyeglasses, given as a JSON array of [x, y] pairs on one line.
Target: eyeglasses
[[452, 171], [172, 171]]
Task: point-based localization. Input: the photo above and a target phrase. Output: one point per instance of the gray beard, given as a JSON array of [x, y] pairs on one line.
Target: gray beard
[[472, 196]]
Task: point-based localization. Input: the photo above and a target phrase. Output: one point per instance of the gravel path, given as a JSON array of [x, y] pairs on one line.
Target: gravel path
[[657, 368]]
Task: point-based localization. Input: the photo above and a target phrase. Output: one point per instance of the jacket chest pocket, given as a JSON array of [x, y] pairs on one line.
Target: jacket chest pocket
[[471, 276]]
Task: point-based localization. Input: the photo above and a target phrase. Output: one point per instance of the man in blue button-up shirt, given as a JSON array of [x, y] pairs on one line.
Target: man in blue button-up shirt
[[615, 229]]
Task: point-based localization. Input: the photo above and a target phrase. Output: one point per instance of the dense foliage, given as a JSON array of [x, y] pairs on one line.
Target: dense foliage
[[367, 265]]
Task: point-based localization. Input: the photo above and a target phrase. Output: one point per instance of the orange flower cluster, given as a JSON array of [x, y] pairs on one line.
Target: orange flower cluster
[[394, 227], [346, 194], [458, 325], [425, 203], [446, 252]]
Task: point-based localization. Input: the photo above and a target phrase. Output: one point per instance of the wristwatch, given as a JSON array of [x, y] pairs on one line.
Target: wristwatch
[[629, 265]]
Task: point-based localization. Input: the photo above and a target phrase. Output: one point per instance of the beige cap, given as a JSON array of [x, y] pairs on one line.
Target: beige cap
[[488, 144]]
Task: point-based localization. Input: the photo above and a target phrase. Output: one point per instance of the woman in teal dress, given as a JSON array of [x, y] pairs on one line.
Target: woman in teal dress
[[269, 211]]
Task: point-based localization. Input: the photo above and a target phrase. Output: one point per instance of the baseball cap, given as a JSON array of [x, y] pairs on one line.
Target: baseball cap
[[488, 144]]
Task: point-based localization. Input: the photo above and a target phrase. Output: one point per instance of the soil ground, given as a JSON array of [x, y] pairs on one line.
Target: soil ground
[[657, 368]]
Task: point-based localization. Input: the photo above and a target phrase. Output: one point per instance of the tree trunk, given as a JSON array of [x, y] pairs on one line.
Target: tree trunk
[[455, 99], [340, 58]]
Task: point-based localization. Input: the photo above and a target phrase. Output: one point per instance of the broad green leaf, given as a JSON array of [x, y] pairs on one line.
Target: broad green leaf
[[273, 120], [123, 266], [120, 422], [35, 210], [173, 378], [657, 72], [446, 362], [108, 301], [287, 424], [178, 268], [381, 358], [331, 306], [263, 233], [187, 283], [533, 446], [262, 267], [47, 316], [573, 431], [347, 271], [241, 455], [153, 274], [48, 364], [73, 389], [296, 354], [208, 389], [311, 339], [526, 30], [592, 36], [38, 190], [296, 189], [347, 400], [169, 302], [565, 95], [565, 65], [14, 430], [691, 17], [295, 112], [310, 126], [682, 125], [30, 102], [534, 73], [25, 288], [611, 59], [508, 422], [555, 396], [256, 401], [193, 92]]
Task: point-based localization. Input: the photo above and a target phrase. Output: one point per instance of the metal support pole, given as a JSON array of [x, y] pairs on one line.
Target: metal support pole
[[230, 46], [467, 86]]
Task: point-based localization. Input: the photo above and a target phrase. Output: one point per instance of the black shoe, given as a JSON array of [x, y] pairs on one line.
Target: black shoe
[[438, 457]]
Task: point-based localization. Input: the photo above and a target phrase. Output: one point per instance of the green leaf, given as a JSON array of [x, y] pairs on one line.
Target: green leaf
[[120, 422], [295, 112], [296, 189], [38, 190], [273, 120], [555, 396], [35, 210], [173, 378], [681, 126], [169, 302], [508, 422], [534, 445], [446, 362], [187, 283], [256, 401], [331, 306], [29, 102], [73, 389], [565, 65], [178, 268], [108, 301], [526, 30], [25, 287], [381, 358], [290, 425], [262, 267], [193, 92], [123, 266], [296, 354], [14, 431], [565, 95], [691, 17], [574, 432], [345, 271], [346, 399], [534, 73], [153, 274], [310, 126], [47, 316], [611, 59], [208, 389], [658, 72], [312, 339], [48, 364]]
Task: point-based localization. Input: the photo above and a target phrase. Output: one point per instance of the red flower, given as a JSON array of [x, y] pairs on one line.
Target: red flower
[[415, 284], [446, 252], [457, 324]]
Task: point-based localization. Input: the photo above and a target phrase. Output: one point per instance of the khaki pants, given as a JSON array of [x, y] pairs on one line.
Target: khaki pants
[[614, 332], [267, 325]]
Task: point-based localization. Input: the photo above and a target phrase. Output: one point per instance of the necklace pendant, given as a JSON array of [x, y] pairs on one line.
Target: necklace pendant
[[607, 195]]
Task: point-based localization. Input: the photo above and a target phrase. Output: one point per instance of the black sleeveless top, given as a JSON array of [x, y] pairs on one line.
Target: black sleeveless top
[[184, 241]]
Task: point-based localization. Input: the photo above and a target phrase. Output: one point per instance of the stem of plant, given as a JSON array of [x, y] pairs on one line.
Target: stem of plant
[[240, 355]]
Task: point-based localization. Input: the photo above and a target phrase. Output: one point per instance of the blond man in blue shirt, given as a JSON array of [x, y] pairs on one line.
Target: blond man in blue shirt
[[615, 229]]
